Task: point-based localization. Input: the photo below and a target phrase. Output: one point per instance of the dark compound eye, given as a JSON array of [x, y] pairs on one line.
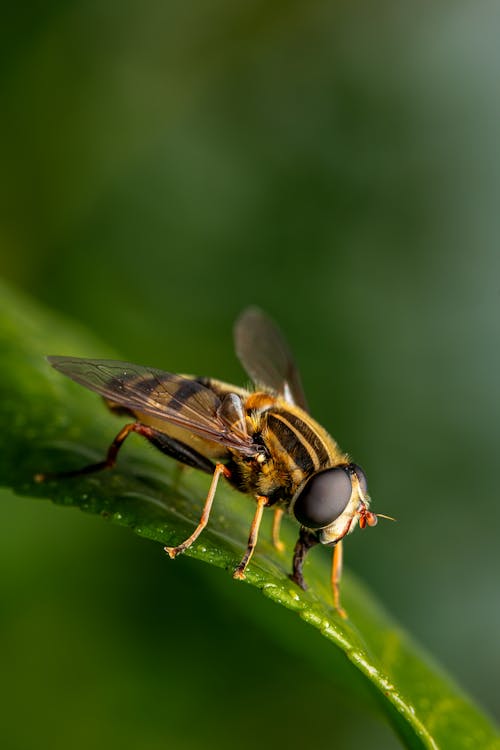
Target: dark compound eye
[[324, 498], [361, 477]]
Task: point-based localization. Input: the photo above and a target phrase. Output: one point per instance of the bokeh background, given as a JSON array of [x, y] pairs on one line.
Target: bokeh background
[[164, 164]]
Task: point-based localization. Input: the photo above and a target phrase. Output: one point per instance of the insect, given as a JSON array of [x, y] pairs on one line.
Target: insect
[[263, 441]]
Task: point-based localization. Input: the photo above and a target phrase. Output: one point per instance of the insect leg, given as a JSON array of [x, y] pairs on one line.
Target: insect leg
[[306, 540], [239, 571], [336, 575], [277, 543], [164, 443], [174, 551], [110, 459]]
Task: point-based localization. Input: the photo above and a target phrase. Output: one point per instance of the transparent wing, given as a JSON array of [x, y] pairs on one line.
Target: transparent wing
[[266, 356], [176, 399]]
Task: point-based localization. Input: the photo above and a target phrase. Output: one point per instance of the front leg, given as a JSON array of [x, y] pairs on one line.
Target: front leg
[[306, 540]]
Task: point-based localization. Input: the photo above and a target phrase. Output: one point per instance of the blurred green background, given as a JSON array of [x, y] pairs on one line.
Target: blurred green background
[[164, 164]]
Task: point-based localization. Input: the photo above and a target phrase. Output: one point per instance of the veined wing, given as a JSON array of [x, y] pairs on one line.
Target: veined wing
[[176, 399], [266, 356]]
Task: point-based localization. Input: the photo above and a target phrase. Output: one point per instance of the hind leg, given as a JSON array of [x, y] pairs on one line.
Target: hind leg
[[107, 463], [164, 443]]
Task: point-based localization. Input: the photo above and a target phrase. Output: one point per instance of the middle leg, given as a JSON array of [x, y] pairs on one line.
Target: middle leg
[[239, 571]]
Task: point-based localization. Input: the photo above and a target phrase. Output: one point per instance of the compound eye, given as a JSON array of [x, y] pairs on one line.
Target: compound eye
[[361, 478], [324, 498]]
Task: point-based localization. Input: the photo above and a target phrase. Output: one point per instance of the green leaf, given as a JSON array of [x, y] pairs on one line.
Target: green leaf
[[52, 424]]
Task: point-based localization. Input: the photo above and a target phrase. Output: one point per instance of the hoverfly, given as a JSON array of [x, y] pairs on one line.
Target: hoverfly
[[263, 441]]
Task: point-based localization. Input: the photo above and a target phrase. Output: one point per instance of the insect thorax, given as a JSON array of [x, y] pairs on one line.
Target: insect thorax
[[291, 446]]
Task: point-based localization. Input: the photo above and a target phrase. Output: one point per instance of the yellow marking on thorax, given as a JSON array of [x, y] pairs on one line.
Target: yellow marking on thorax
[[336, 454], [301, 439], [259, 401]]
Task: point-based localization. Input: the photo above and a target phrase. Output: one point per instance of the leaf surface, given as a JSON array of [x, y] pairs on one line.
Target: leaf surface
[[50, 424]]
